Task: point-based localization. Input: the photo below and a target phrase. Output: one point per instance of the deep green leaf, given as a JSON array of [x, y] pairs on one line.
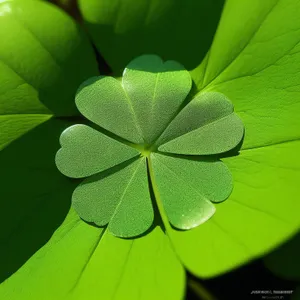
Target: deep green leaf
[[119, 198], [44, 56], [86, 151], [178, 30], [207, 125], [35, 196], [14, 126]]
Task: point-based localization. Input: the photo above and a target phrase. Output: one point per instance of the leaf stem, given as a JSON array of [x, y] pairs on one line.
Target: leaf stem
[[157, 196], [194, 285], [200, 290]]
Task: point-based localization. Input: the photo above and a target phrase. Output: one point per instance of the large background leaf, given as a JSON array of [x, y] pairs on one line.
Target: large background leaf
[[85, 262], [80, 261], [37, 63], [44, 57], [178, 30], [257, 66]]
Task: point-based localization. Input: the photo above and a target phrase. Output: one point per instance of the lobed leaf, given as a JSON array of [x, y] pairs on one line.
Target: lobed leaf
[[119, 198], [86, 151], [104, 101], [156, 90], [205, 126], [186, 188]]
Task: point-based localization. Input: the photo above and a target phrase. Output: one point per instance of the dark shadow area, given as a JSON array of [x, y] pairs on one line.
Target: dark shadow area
[[103, 67], [35, 196], [284, 261], [71, 8], [157, 217], [238, 284], [177, 30]]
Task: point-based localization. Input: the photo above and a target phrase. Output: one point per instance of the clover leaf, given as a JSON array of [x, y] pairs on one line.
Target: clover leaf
[[143, 122]]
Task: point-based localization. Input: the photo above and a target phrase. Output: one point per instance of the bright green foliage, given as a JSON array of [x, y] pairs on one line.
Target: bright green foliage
[[149, 97], [185, 187], [210, 118], [125, 200], [156, 94], [84, 262], [98, 100], [86, 151], [257, 66]]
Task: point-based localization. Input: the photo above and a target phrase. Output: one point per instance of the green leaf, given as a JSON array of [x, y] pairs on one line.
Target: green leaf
[[14, 126], [284, 261], [84, 262], [261, 212], [86, 151], [41, 72], [186, 188], [207, 125], [151, 94], [122, 30], [120, 197], [156, 91], [257, 67], [100, 98]]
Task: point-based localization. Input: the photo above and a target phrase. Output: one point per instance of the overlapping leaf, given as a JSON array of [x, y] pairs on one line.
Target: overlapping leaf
[[257, 66], [141, 108], [121, 31]]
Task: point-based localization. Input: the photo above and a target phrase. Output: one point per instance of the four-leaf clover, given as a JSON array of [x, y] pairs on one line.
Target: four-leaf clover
[[147, 136]]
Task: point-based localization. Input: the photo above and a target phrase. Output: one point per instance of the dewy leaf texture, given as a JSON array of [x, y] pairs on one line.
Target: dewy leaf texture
[[148, 113]]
